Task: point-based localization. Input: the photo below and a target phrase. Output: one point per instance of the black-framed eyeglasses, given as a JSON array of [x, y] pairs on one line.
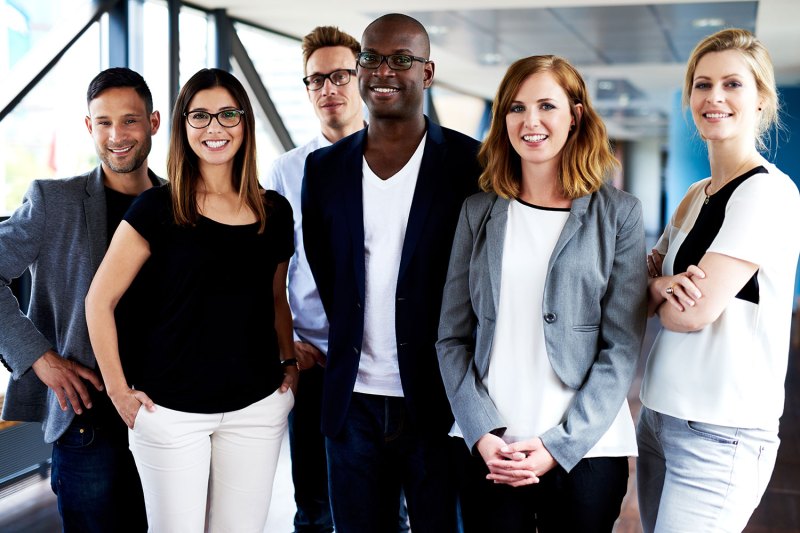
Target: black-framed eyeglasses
[[228, 118], [314, 82], [371, 60]]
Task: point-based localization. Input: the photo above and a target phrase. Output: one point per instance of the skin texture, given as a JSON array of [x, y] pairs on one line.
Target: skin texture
[[128, 252], [338, 108], [725, 106], [394, 98], [538, 124], [121, 130]]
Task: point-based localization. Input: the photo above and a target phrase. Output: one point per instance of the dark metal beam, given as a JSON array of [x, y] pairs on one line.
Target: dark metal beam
[[174, 13], [118, 35], [102, 6], [259, 90], [224, 28]]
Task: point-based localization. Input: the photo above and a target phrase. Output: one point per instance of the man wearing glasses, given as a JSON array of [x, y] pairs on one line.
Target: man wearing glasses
[[379, 213], [61, 233], [329, 56]]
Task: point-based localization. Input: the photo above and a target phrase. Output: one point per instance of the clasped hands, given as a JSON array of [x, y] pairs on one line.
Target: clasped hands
[[517, 464]]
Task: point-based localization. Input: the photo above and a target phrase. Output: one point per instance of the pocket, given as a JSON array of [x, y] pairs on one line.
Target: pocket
[[714, 433], [77, 435], [137, 418]]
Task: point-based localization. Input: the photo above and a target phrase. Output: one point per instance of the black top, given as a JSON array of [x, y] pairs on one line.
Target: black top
[[210, 339], [704, 231]]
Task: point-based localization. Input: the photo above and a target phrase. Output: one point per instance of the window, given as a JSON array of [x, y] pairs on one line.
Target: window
[[44, 136]]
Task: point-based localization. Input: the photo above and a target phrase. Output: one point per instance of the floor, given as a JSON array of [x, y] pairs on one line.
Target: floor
[[33, 509]]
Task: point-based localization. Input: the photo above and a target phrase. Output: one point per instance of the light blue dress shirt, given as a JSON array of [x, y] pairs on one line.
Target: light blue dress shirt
[[308, 315]]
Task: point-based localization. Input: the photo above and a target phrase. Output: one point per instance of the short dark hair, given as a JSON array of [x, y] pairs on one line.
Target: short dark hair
[[327, 36], [120, 77]]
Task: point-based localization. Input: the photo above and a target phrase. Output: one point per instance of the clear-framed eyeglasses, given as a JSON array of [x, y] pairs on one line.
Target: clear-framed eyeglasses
[[314, 82], [228, 118], [371, 60]]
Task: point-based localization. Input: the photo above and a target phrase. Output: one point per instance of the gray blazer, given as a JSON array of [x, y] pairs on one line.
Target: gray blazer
[[60, 233], [594, 312]]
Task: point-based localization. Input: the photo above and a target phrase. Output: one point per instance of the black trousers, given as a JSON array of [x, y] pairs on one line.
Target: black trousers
[[585, 500]]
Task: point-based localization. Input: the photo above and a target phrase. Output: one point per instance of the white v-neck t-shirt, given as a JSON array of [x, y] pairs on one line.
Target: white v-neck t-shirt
[[387, 204]]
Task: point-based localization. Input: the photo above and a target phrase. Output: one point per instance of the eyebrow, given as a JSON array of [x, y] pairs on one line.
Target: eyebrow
[[99, 117], [726, 76], [404, 51], [205, 109], [540, 100]]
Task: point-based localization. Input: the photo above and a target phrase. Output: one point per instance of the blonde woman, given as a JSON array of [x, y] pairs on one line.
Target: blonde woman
[[542, 319], [713, 388]]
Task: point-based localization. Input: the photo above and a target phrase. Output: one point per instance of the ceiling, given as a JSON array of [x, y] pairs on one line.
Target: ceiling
[[632, 54]]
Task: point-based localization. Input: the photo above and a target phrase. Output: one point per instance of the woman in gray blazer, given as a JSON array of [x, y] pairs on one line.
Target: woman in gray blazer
[[543, 314]]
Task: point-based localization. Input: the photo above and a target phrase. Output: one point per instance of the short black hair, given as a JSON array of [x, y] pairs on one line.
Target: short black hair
[[120, 77]]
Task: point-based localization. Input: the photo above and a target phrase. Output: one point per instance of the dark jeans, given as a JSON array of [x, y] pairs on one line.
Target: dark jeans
[[95, 478], [378, 452], [309, 464], [585, 500]]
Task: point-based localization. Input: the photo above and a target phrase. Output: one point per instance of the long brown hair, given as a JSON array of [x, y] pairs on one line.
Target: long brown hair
[[586, 158], [183, 167]]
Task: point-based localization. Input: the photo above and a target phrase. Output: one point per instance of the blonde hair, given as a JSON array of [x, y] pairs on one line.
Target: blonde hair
[[757, 58], [324, 37], [183, 167], [586, 157]]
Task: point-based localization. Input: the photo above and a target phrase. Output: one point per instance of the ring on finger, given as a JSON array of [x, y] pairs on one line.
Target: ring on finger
[[669, 289]]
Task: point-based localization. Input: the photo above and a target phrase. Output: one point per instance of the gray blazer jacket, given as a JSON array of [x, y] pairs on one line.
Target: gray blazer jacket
[[594, 313], [60, 233]]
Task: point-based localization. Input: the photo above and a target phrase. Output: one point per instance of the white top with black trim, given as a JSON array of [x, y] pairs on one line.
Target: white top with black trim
[[521, 380], [731, 372]]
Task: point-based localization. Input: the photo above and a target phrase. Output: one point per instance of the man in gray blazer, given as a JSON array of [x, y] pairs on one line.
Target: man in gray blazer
[[61, 233]]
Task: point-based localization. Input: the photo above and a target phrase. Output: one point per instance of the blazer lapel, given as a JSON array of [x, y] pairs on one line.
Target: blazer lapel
[[424, 192], [495, 240], [94, 207], [353, 204], [573, 224]]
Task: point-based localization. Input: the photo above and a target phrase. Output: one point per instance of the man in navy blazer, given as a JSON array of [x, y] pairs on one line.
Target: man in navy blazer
[[61, 233], [380, 209]]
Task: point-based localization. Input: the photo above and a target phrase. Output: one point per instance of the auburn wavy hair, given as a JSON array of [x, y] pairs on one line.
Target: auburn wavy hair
[[586, 159], [183, 168]]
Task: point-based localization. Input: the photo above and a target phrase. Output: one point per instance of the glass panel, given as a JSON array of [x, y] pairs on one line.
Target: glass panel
[[268, 147], [458, 111], [279, 62], [194, 53], [45, 135], [155, 70]]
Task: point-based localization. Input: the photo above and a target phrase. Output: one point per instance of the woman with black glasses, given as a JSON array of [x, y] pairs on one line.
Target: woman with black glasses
[[208, 397]]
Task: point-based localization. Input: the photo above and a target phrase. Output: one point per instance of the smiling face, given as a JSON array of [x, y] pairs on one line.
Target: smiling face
[[538, 122], [393, 94], [724, 98], [214, 145], [122, 129], [337, 106]]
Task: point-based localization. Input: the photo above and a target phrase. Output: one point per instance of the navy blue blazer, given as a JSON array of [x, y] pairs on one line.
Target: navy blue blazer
[[333, 232]]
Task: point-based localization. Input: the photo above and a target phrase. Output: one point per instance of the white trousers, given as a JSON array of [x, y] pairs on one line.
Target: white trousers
[[209, 472]]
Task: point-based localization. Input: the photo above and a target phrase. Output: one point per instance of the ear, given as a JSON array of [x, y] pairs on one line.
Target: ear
[[428, 70], [577, 113], [155, 122], [88, 121]]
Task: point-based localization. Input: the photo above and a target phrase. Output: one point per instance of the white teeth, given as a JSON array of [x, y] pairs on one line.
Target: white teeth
[[216, 144], [717, 115], [534, 138], [120, 150], [384, 90]]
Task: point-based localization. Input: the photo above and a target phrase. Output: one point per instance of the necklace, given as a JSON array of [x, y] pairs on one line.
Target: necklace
[[725, 182]]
